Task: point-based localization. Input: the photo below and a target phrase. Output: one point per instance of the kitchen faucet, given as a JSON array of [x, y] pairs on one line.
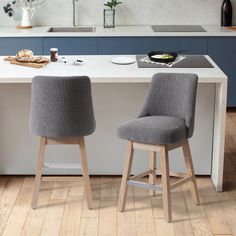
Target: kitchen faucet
[[74, 11]]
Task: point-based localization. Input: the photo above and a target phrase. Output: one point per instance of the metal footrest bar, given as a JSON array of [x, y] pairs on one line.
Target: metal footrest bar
[[62, 165], [144, 185]]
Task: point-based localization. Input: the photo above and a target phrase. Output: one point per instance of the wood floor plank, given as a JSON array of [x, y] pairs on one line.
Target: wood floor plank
[[20, 209], [227, 204], [109, 188], [53, 218], [143, 212], [76, 187], [181, 221], [88, 226], [126, 220], [108, 218], [215, 215], [8, 199], [163, 228], [35, 218], [201, 229], [72, 215], [60, 190], [196, 213]]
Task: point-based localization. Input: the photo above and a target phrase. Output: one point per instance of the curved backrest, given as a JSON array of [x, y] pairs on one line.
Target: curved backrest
[[172, 94], [61, 107]]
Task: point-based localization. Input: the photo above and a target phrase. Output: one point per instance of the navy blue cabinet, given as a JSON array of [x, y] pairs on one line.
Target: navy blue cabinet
[[124, 45], [188, 45], [71, 46], [9, 46], [223, 52]]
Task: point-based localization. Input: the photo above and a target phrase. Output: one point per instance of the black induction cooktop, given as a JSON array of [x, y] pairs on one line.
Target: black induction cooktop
[[178, 28]]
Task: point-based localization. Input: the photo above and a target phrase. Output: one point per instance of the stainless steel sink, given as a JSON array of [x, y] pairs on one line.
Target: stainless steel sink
[[78, 29]]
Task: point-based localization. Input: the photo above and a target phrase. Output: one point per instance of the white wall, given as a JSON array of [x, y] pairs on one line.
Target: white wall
[[131, 12]]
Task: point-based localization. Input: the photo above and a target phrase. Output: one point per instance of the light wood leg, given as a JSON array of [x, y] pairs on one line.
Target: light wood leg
[[125, 177], [85, 172], [190, 170], [152, 166], [39, 171], [165, 183]]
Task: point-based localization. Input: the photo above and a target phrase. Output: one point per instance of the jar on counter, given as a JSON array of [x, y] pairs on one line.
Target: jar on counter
[[54, 54]]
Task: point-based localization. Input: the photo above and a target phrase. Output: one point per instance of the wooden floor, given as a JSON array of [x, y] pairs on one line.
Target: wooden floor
[[63, 208]]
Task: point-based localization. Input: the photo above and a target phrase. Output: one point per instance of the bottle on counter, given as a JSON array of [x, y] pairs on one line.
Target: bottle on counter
[[54, 54], [226, 13]]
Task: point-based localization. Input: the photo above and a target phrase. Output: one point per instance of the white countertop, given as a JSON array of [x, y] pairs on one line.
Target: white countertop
[[141, 31], [101, 70]]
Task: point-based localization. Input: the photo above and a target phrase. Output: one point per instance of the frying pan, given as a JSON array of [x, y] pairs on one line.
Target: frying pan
[[163, 60]]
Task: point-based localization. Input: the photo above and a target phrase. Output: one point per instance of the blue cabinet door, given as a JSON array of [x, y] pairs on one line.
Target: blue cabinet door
[[71, 46], [10, 46], [187, 45], [124, 45], [223, 51]]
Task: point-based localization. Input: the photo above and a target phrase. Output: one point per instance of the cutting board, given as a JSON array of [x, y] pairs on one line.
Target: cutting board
[[13, 60], [232, 28]]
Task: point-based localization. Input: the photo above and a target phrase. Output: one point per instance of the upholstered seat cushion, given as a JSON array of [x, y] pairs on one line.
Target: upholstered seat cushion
[[153, 130]]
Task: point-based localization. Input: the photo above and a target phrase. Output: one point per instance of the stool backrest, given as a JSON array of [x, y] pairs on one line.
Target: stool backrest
[[61, 107], [172, 94]]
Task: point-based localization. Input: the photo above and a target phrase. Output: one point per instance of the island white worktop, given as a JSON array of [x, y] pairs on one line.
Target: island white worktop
[[101, 70], [118, 93], [118, 31]]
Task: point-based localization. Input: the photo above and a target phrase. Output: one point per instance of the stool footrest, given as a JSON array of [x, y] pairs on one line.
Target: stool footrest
[[180, 182], [144, 185], [62, 165], [141, 175]]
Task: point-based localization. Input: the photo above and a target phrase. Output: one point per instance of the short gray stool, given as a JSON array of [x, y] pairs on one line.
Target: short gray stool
[[61, 113], [166, 122]]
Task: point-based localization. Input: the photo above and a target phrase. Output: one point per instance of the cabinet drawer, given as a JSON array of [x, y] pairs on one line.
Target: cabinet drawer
[[186, 44], [10, 46], [124, 45], [71, 46]]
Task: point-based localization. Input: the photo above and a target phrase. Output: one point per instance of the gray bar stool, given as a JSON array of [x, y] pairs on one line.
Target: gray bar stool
[[166, 122], [61, 113]]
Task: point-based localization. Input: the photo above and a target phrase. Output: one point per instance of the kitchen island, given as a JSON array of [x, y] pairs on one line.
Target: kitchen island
[[118, 94]]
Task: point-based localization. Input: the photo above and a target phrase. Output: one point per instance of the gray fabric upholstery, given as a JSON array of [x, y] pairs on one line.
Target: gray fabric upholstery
[[154, 130], [61, 107], [171, 95]]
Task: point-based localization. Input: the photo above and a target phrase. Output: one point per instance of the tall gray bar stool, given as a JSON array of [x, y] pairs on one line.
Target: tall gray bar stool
[[61, 113], [166, 122]]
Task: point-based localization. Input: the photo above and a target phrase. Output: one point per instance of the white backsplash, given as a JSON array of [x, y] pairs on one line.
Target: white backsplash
[[131, 12]]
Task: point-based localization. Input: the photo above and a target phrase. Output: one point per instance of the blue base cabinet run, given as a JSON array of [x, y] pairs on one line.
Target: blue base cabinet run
[[10, 46], [223, 52]]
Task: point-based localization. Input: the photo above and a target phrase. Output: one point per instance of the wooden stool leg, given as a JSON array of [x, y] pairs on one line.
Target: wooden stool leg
[[125, 177], [152, 166], [39, 172], [85, 172], [190, 170], [165, 183]]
